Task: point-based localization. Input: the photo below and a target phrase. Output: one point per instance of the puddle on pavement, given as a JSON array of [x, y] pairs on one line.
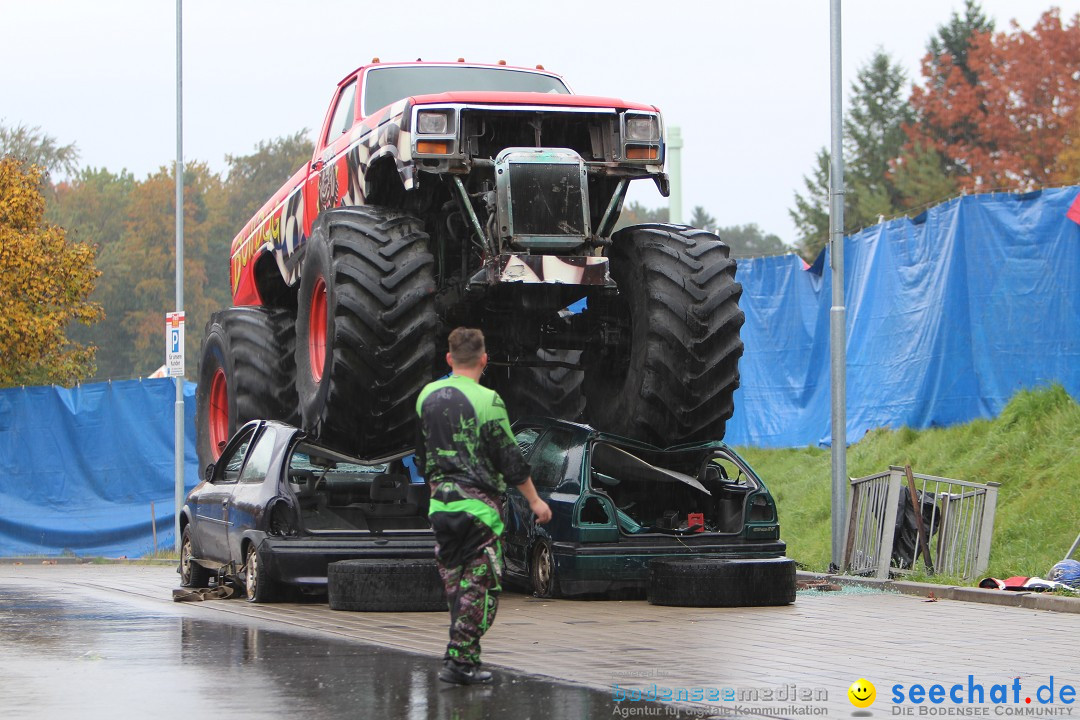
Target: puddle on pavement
[[86, 656]]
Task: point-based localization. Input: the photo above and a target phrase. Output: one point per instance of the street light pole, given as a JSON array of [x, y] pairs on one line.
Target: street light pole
[[838, 312], [178, 415]]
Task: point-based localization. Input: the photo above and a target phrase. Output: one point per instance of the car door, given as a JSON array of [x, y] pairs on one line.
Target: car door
[[252, 492], [212, 508], [516, 511], [556, 476]]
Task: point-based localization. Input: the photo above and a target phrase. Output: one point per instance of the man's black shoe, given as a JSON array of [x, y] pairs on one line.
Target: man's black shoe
[[455, 672]]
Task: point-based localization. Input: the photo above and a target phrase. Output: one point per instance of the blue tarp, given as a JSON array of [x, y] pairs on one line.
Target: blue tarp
[[80, 467], [948, 316]]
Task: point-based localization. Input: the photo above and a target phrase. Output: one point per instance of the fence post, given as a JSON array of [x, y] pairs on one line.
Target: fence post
[[986, 531], [888, 528]]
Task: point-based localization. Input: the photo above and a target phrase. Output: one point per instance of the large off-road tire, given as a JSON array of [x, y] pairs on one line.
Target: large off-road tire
[[541, 390], [679, 302], [246, 372], [365, 328], [368, 585], [713, 582]]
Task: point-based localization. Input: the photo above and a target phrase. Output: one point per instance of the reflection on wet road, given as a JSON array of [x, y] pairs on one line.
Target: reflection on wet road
[[81, 654]]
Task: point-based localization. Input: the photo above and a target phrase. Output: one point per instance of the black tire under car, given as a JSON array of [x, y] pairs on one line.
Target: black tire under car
[[715, 582], [192, 574], [541, 390], [259, 586], [375, 334], [545, 580], [372, 585], [253, 349], [679, 299]]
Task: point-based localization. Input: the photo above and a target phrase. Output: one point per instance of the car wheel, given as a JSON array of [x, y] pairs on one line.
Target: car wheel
[[714, 582], [258, 586], [192, 574], [545, 582], [385, 586]]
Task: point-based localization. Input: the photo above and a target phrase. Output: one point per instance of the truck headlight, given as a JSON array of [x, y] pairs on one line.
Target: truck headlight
[[432, 123], [642, 128]]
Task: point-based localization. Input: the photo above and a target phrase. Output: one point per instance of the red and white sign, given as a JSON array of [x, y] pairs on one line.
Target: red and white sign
[[174, 344]]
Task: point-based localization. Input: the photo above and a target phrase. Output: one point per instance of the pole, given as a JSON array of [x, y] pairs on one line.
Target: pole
[[838, 313], [674, 149], [178, 415]]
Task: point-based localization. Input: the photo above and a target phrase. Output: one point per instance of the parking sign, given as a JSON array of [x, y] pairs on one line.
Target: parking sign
[[174, 344]]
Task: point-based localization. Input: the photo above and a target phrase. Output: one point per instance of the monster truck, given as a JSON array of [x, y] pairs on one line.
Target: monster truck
[[446, 194]]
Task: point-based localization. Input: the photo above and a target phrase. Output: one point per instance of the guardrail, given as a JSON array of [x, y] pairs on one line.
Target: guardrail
[[898, 515]]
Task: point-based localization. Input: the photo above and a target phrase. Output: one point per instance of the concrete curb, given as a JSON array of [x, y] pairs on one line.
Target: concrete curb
[[1007, 598]]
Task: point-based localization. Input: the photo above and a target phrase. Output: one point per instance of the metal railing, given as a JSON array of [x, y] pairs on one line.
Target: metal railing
[[948, 523]]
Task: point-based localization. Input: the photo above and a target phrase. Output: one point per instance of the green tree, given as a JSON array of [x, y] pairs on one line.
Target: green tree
[[253, 178], [751, 241], [45, 282], [701, 219], [634, 213], [32, 146], [811, 211], [873, 140]]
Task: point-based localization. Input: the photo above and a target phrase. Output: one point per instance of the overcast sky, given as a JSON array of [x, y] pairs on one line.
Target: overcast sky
[[748, 81]]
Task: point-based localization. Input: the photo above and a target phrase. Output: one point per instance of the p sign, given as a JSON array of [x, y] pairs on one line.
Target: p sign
[[174, 344]]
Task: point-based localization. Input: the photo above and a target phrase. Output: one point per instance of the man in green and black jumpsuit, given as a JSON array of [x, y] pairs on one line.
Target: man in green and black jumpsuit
[[468, 454]]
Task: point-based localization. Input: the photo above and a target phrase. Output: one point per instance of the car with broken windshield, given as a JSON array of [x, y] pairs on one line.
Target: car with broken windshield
[[277, 508], [618, 504]]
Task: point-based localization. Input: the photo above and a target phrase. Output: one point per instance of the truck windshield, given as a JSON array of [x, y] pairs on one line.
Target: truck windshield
[[384, 86]]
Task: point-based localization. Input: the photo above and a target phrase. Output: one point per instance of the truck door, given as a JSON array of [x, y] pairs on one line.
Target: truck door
[[328, 180]]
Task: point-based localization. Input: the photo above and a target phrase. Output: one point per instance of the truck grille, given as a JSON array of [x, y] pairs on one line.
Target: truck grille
[[546, 199]]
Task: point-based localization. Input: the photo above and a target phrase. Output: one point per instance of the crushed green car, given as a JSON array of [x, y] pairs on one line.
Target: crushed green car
[[618, 505]]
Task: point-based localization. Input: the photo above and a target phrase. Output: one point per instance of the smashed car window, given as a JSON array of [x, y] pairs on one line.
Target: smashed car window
[[549, 461], [259, 460]]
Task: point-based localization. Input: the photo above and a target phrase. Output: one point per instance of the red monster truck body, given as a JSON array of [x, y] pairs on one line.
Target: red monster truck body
[[445, 194]]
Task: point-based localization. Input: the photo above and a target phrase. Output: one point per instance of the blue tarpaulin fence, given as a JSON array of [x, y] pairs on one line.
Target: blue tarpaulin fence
[[80, 467], [948, 316]]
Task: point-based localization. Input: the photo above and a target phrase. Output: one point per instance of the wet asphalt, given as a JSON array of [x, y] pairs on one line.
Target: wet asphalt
[[78, 654]]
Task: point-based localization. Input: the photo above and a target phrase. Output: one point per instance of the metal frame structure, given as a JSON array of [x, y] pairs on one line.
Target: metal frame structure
[[961, 515]]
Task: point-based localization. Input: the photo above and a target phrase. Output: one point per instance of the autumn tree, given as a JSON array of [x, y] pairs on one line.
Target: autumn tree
[[1008, 129], [45, 282]]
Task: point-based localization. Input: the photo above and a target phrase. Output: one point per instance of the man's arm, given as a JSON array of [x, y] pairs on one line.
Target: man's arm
[[536, 504]]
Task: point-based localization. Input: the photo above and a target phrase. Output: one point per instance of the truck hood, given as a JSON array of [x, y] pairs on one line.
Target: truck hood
[[529, 98]]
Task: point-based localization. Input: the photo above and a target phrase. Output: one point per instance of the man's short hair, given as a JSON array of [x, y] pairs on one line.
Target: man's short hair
[[466, 346]]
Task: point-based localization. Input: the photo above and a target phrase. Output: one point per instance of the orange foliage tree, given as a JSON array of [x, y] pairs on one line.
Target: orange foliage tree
[[1008, 129], [45, 284]]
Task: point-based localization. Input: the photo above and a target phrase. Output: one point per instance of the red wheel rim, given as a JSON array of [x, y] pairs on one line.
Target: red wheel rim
[[218, 415], [317, 330]]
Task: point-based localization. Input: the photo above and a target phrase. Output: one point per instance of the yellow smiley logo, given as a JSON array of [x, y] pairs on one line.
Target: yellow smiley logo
[[862, 693]]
